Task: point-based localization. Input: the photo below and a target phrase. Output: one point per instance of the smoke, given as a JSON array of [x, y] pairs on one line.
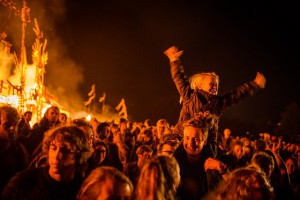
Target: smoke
[[63, 79], [63, 76], [6, 63]]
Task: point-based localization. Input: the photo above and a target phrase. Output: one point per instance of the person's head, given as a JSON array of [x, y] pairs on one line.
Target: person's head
[[195, 133], [267, 137], [9, 118], [247, 142], [100, 151], [248, 151], [291, 164], [129, 138], [136, 128], [52, 114], [162, 127], [226, 133], [105, 183], [63, 118], [146, 136], [263, 162], [243, 183], [94, 123], [173, 138], [171, 171], [166, 148], [27, 116], [237, 149], [159, 179], [209, 82], [67, 147], [123, 125], [151, 182], [143, 153], [103, 130], [114, 128], [85, 127], [260, 145]]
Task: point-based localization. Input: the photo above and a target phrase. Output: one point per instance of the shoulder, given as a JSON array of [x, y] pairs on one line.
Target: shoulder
[[23, 178], [21, 122], [180, 154], [23, 184], [28, 174]]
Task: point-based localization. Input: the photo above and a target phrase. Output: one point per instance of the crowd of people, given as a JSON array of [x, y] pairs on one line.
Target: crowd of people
[[64, 158]]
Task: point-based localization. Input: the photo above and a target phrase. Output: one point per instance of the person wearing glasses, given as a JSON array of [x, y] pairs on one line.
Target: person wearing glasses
[[99, 157]]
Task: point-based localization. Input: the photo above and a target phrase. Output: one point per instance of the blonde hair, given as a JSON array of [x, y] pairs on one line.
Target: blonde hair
[[158, 179], [91, 186], [243, 184], [171, 171], [162, 122], [198, 79], [151, 182]]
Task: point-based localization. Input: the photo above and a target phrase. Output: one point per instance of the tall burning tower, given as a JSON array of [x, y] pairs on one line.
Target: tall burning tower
[[26, 96]]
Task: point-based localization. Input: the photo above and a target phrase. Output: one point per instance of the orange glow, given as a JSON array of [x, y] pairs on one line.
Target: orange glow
[[24, 88], [88, 117]]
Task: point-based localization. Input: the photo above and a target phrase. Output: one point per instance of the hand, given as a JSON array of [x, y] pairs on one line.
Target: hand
[[276, 147], [260, 80], [173, 53], [215, 164]]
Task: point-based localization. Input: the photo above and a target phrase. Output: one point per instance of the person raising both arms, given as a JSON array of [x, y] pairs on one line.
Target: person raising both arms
[[200, 93]]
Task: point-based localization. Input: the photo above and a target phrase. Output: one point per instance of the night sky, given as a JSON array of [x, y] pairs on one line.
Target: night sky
[[118, 45]]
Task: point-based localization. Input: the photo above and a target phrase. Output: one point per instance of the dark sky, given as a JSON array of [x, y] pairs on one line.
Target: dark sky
[[118, 45]]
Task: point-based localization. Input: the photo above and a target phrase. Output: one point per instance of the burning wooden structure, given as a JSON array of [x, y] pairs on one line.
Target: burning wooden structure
[[30, 93]]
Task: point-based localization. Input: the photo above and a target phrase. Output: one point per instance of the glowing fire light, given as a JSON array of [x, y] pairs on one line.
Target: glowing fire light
[[24, 88], [88, 117], [13, 100]]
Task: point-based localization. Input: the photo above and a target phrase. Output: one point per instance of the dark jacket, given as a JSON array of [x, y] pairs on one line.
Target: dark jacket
[[195, 183], [36, 137], [36, 183], [12, 160], [195, 101]]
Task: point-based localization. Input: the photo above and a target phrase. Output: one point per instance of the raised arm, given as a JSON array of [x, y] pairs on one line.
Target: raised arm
[[173, 53], [177, 71]]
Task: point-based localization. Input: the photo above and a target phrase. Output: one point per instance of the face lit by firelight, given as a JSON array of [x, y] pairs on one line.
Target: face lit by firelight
[[193, 140]]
